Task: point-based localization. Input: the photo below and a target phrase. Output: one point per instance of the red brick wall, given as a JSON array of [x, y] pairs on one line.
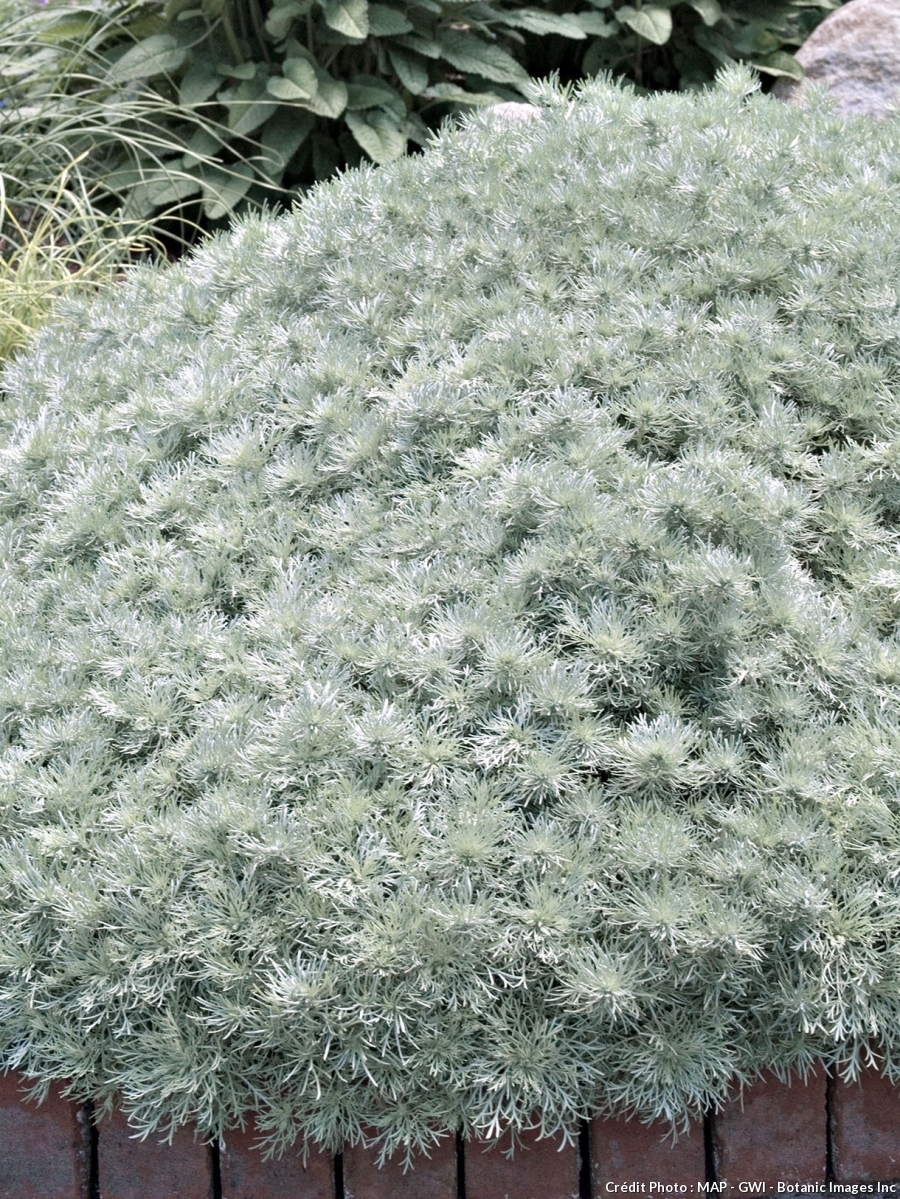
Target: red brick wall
[[817, 1136]]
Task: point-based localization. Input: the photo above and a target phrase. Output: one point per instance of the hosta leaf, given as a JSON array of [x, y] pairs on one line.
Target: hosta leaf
[[128, 177], [199, 83], [468, 53], [203, 144], [425, 46], [282, 137], [174, 8], [378, 134], [282, 17], [709, 10], [244, 71], [330, 99], [146, 25], [387, 22], [61, 31], [655, 24], [349, 17], [536, 21], [153, 56], [152, 186], [780, 63], [283, 89], [411, 71], [756, 38], [416, 130], [368, 91], [302, 74], [595, 25], [249, 109], [170, 189], [222, 188]]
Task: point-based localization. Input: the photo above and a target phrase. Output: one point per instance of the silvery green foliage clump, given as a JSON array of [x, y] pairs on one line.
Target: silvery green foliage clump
[[449, 672]]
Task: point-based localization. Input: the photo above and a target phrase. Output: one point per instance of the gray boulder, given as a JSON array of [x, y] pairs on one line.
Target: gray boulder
[[856, 53]]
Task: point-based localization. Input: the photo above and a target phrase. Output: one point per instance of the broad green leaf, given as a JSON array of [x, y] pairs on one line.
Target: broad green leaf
[[536, 21], [282, 137], [368, 91], [468, 53], [245, 71], [174, 8], [212, 9], [144, 26], [295, 49], [154, 56], [125, 178], [170, 189], [26, 64], [416, 130], [780, 63], [283, 89], [595, 25], [282, 17], [302, 74], [387, 22], [62, 31], [411, 71], [378, 134], [349, 17], [249, 108], [150, 186], [199, 83], [222, 188], [655, 24], [709, 10], [756, 38], [425, 46], [330, 99], [203, 144]]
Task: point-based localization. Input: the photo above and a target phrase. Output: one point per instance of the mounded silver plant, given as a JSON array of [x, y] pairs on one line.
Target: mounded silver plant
[[448, 637]]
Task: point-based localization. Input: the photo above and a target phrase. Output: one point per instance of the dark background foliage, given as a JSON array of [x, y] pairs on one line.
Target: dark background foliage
[[207, 109]]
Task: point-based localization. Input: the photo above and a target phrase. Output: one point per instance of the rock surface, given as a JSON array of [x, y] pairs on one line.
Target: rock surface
[[856, 53]]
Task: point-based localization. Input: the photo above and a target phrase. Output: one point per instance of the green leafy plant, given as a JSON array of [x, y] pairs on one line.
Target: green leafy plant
[[235, 104], [449, 667], [674, 44], [64, 104]]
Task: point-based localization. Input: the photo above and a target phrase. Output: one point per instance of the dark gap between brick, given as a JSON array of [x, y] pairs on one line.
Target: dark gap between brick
[[585, 1186], [709, 1144], [215, 1168]]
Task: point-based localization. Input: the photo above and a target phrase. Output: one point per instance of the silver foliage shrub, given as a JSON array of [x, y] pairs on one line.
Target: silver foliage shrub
[[449, 670]]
